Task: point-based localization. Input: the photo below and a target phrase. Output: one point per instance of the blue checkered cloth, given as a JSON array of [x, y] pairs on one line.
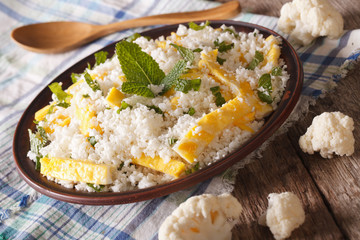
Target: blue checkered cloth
[[25, 214]]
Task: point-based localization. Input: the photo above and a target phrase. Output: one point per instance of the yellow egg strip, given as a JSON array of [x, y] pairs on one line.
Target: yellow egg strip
[[40, 114], [85, 116], [274, 53], [74, 85], [115, 97], [208, 60], [194, 142], [172, 167], [242, 89], [77, 170], [60, 120]]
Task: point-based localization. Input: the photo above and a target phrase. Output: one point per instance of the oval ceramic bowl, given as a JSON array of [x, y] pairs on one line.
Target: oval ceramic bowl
[[27, 170]]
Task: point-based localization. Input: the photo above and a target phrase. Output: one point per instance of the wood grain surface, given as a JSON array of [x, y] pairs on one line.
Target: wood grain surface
[[328, 188]]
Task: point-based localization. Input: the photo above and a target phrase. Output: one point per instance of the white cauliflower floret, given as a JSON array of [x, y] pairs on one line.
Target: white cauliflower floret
[[306, 20], [329, 133], [202, 217], [284, 214]]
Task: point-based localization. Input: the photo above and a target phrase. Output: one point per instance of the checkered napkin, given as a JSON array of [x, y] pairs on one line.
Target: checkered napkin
[[25, 214]]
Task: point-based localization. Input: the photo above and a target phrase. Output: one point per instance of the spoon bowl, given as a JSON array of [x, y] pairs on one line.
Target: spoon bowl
[[57, 37]]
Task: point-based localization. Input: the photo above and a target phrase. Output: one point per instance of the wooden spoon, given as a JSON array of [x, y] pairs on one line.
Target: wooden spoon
[[56, 37]]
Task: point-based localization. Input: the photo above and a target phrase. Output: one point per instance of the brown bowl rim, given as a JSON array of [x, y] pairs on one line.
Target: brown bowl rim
[[58, 192]]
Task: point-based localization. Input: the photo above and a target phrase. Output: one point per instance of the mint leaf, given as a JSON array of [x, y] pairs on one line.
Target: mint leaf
[[191, 111], [232, 32], [133, 37], [136, 36], [75, 77], [265, 97], [41, 132], [38, 164], [63, 104], [100, 57], [35, 143], [93, 84], [219, 100], [185, 86], [124, 105], [220, 60], [265, 83], [138, 66], [137, 88], [120, 166], [186, 53], [170, 79], [196, 27], [259, 57], [193, 169], [276, 71], [156, 109], [92, 140], [222, 46], [96, 188], [59, 93], [172, 141]]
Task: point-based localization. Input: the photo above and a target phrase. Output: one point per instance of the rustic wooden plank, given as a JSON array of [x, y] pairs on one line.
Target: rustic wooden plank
[[281, 170], [329, 189], [339, 178]]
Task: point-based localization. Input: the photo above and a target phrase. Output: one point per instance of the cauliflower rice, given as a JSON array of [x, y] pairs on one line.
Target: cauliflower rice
[[122, 135]]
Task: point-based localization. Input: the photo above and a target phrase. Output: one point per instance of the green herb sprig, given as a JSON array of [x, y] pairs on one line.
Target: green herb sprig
[[172, 141], [265, 83], [220, 60], [193, 169], [96, 188], [63, 98], [100, 57], [219, 99], [185, 86], [222, 46], [93, 84], [197, 27], [191, 111], [92, 140], [259, 57], [37, 141], [186, 53], [124, 105]]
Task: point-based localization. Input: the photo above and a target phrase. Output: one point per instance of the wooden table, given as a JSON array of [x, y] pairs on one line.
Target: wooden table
[[328, 188]]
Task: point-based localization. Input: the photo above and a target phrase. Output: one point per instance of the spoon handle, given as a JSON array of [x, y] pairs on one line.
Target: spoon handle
[[216, 13]]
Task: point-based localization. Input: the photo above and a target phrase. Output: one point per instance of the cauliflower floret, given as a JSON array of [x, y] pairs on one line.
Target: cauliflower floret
[[284, 214], [306, 20], [329, 133], [202, 217]]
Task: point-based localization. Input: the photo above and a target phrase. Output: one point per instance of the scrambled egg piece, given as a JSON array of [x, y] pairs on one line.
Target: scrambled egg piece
[[194, 142], [77, 170], [85, 116], [242, 89], [40, 114], [172, 167], [115, 97], [274, 52], [61, 121], [202, 217]]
